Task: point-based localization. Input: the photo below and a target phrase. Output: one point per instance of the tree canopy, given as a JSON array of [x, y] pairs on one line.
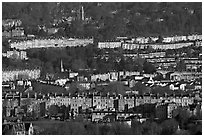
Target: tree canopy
[[108, 20]]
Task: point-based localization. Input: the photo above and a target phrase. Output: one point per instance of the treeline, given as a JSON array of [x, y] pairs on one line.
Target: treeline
[[109, 20], [89, 57], [78, 58], [167, 127]]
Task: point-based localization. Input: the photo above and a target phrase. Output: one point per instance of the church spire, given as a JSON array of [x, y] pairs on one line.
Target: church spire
[[61, 66], [82, 13]]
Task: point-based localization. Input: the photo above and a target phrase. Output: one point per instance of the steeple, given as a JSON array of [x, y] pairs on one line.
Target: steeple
[[61, 66], [178, 128], [82, 13]]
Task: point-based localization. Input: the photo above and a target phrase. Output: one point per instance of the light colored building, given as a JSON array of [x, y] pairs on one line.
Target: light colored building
[[130, 46], [97, 102], [47, 43], [109, 44], [177, 76], [198, 43], [78, 102], [139, 101], [186, 101], [11, 22], [142, 40], [96, 116], [125, 103], [194, 37], [173, 39], [153, 55], [15, 54], [18, 32], [171, 46], [60, 101], [161, 60], [170, 108], [113, 76], [6, 34], [11, 75], [107, 103]]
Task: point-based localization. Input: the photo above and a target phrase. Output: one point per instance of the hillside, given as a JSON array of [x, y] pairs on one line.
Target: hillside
[[108, 20]]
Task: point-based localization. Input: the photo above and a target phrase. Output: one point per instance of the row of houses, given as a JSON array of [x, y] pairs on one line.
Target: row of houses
[[186, 76], [170, 46], [120, 102], [162, 58], [47, 43], [168, 65], [12, 75], [162, 111], [170, 110], [182, 38], [17, 32], [96, 102], [192, 60], [125, 104], [170, 39], [116, 76], [11, 22], [151, 55], [159, 60], [113, 76], [18, 107], [120, 109], [132, 46], [127, 77], [14, 54], [128, 80]]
